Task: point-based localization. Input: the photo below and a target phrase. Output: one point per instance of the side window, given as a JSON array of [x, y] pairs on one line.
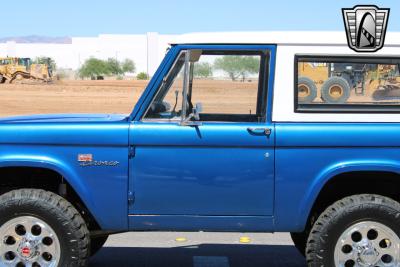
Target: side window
[[334, 84], [228, 85]]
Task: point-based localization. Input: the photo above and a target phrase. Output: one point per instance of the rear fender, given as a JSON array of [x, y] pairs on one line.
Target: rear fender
[[340, 168]]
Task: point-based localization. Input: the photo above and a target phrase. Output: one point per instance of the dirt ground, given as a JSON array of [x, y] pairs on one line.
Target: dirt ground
[[115, 97], [112, 96], [69, 97]]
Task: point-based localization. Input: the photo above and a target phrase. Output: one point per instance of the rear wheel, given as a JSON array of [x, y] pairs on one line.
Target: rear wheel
[[361, 230], [39, 228], [335, 90]]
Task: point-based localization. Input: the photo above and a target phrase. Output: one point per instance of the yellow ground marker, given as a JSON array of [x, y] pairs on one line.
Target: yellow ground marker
[[244, 239], [180, 239]]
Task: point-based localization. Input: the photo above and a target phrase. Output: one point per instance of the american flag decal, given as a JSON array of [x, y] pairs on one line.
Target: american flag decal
[[365, 27], [85, 157]]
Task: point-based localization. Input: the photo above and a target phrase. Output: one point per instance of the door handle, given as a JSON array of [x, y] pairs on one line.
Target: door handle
[[260, 130]]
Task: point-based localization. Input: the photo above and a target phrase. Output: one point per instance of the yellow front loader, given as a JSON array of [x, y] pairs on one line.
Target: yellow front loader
[[333, 82], [19, 70]]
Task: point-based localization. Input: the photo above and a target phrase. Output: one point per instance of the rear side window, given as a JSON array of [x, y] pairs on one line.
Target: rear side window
[[347, 84]]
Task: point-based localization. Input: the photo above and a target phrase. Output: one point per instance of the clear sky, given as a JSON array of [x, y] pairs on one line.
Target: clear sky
[[90, 18]]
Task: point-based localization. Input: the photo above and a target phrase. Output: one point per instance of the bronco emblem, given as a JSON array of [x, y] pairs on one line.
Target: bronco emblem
[[87, 160]]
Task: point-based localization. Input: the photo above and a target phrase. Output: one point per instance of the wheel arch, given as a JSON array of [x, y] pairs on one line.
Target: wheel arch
[[353, 172], [67, 175]]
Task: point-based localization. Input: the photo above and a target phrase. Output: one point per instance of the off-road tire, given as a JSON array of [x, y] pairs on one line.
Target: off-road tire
[[66, 221], [342, 215], [311, 87], [339, 82], [96, 243]]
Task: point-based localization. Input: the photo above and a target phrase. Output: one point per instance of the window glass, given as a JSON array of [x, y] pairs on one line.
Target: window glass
[[225, 84], [168, 102], [342, 84]]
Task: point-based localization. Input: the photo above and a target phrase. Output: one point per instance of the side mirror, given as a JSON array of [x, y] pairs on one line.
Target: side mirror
[[197, 109]]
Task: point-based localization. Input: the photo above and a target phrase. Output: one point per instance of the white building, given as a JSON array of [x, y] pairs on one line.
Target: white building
[[146, 50]]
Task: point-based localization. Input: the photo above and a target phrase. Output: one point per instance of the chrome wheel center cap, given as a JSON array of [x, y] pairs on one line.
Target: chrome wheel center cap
[[28, 241], [27, 249], [369, 256]]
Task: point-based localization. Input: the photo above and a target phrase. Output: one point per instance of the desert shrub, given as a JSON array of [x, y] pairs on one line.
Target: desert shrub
[[142, 76]]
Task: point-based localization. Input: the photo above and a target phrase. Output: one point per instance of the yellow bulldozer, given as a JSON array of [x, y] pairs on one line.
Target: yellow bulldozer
[[20, 70]]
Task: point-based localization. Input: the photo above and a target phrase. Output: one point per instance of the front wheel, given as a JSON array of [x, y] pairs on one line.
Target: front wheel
[[360, 230], [306, 90], [40, 228]]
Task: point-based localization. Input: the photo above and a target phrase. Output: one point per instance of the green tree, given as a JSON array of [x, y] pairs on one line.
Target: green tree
[[238, 66], [142, 76], [202, 70], [128, 66], [114, 66], [93, 67], [51, 63]]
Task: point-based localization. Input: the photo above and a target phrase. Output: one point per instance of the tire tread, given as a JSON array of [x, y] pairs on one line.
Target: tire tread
[[338, 210], [66, 214]]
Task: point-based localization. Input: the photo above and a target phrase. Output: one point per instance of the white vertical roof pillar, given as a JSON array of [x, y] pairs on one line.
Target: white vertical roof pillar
[[152, 53]]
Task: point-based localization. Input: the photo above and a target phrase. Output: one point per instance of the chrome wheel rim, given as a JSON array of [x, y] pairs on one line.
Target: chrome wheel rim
[[28, 242], [367, 244]]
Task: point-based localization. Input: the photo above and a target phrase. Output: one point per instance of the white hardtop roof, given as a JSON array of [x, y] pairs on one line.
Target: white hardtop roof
[[275, 37]]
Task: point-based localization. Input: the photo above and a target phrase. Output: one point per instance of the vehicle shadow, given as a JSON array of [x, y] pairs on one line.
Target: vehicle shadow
[[204, 255]]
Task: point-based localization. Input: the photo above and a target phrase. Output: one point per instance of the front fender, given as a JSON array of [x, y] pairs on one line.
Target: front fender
[[49, 163], [103, 195]]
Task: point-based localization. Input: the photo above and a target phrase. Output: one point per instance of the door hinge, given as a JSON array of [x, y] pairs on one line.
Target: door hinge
[[131, 198], [131, 151]]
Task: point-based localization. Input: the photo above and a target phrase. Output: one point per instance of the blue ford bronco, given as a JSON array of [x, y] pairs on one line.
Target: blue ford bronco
[[252, 132]]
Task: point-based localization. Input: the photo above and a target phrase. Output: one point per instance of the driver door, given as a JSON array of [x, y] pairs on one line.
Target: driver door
[[217, 162]]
